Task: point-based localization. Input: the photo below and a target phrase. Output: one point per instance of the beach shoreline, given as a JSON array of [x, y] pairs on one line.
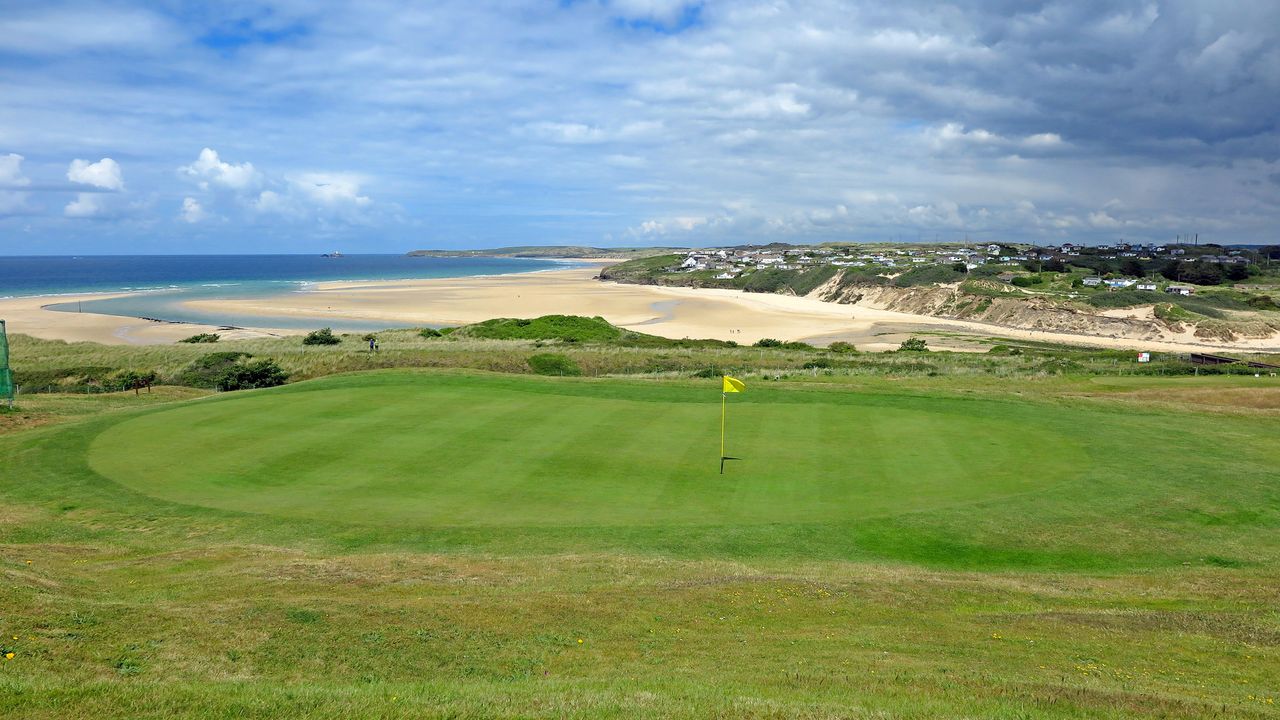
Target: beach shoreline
[[674, 312], [34, 316]]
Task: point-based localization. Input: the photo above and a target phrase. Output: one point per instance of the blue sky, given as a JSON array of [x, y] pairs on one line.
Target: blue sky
[[170, 127]]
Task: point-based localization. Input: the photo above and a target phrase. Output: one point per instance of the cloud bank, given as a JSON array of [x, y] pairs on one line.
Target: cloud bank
[[381, 127]]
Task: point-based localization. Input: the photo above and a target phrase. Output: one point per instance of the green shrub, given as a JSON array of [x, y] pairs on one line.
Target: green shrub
[[841, 346], [767, 342], [207, 370], [819, 363], [914, 345], [797, 345], [553, 364], [565, 328], [709, 372], [1027, 280], [202, 338], [323, 336], [430, 333], [134, 380], [262, 373], [1124, 298], [928, 275]]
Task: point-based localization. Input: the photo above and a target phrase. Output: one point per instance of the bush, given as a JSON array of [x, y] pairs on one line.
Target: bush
[[914, 345], [134, 380], [817, 363], [841, 346], [1125, 298], [797, 345], [202, 338], [1004, 350], [928, 275], [323, 336], [206, 371], [430, 333], [565, 328], [553, 364], [262, 373], [768, 342], [708, 372], [1027, 280]]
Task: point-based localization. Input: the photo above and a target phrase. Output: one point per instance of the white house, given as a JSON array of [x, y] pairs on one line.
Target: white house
[[1180, 290], [1148, 286], [1093, 281]]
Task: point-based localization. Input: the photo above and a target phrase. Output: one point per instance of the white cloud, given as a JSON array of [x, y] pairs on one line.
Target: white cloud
[[210, 169], [330, 189], [11, 178], [567, 132], [61, 30], [11, 171], [269, 201], [669, 225], [103, 174], [1043, 140], [84, 206], [192, 211]]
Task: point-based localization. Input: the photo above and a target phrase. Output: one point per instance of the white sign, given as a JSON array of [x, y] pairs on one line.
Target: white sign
[[1144, 357]]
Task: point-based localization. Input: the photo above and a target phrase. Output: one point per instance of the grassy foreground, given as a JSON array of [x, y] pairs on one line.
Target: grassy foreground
[[447, 544]]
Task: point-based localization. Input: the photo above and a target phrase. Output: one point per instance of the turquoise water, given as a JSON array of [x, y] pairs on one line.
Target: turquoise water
[[161, 284]]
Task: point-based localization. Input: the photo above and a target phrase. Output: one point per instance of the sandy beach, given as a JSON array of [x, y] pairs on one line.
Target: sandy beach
[[30, 316], [666, 311]]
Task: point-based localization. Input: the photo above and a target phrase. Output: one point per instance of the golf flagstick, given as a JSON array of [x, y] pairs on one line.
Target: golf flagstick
[[723, 396], [727, 385]]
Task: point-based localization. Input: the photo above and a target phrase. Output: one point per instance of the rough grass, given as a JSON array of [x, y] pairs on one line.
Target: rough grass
[[47, 365], [121, 605], [567, 328]]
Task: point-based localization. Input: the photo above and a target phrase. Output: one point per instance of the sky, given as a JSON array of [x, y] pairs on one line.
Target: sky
[[304, 126]]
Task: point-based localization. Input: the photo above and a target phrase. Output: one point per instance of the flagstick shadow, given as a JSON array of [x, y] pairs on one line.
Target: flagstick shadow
[[723, 459]]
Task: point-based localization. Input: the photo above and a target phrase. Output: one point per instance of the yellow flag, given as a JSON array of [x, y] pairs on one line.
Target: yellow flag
[[733, 384]]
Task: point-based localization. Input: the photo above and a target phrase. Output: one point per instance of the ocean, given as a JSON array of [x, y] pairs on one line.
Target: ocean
[[163, 282]]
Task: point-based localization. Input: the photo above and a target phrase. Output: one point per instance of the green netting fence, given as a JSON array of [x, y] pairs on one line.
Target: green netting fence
[[6, 375]]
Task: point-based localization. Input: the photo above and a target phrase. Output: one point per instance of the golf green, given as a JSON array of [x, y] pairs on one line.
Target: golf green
[[430, 450]]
